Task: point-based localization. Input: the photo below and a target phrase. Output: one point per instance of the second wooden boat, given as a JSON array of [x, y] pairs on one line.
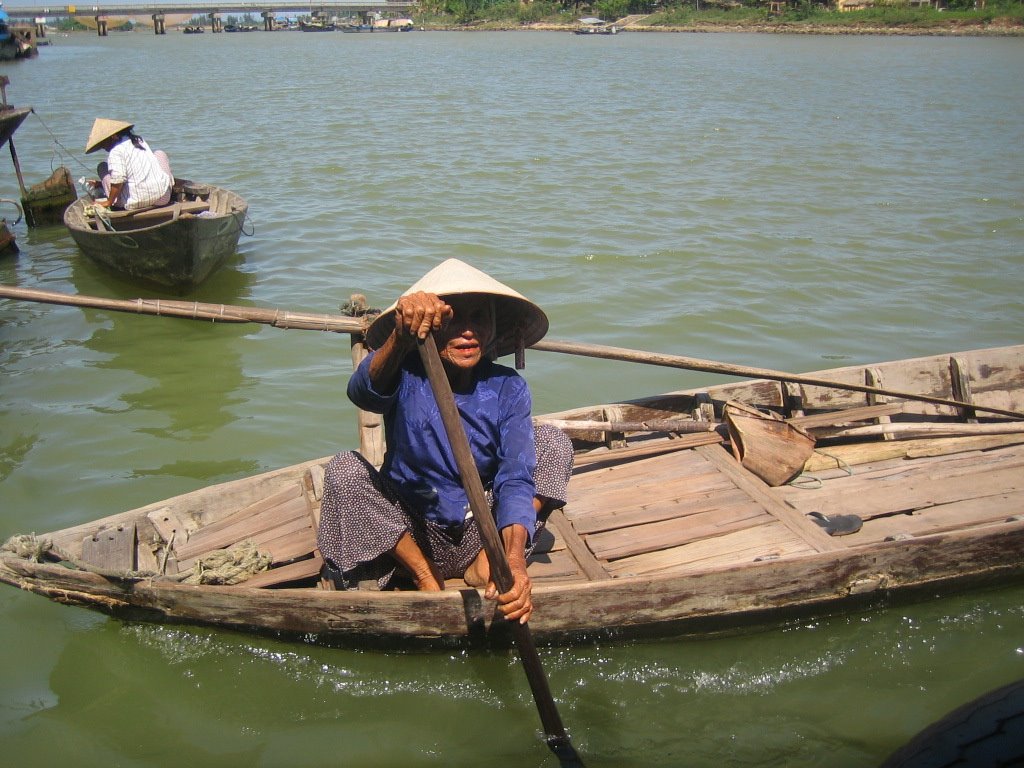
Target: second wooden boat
[[669, 527], [175, 246]]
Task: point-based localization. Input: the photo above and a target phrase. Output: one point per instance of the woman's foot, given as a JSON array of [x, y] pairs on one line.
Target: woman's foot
[[479, 572]]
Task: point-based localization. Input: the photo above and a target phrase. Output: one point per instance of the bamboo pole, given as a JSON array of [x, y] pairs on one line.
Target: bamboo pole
[[227, 313], [710, 366], [194, 310]]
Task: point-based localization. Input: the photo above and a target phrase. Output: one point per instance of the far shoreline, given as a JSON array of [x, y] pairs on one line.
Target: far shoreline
[[771, 28]]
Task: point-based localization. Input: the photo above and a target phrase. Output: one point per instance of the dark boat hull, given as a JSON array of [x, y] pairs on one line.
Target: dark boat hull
[[179, 252]]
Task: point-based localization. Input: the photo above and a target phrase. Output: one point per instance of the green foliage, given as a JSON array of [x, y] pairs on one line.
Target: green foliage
[[70, 24], [612, 9], [537, 11], [681, 13], [687, 15]]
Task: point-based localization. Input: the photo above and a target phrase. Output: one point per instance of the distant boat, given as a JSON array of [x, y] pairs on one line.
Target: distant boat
[[176, 245], [594, 26], [317, 25], [382, 25], [194, 30], [16, 42]]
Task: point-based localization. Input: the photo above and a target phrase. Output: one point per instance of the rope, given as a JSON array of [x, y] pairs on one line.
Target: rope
[[28, 547], [229, 566], [810, 482], [61, 146]]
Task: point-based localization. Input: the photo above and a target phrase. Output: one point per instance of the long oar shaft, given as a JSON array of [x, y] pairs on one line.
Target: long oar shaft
[[501, 573], [710, 366], [228, 313], [194, 310]]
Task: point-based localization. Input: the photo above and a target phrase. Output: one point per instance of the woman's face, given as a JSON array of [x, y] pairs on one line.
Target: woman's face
[[470, 332]]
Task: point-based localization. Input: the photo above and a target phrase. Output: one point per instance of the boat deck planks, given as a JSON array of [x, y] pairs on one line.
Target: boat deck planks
[[894, 489]]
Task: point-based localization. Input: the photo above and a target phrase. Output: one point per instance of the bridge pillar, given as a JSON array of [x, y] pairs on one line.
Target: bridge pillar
[[158, 24], [215, 23], [268, 21], [101, 26], [40, 26]]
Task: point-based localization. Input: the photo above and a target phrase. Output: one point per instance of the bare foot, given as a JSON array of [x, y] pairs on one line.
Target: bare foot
[[479, 572]]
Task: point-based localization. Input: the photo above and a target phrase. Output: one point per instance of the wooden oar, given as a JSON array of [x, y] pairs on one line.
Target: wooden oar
[[228, 313], [710, 366], [555, 735]]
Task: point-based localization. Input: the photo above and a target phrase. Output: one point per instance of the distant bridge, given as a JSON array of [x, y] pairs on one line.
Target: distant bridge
[[157, 11], [202, 8]]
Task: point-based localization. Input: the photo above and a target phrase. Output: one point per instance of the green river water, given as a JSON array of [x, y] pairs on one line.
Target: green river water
[[792, 202]]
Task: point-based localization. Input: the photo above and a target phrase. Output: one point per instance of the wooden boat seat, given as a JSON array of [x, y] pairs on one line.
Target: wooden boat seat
[[161, 211]]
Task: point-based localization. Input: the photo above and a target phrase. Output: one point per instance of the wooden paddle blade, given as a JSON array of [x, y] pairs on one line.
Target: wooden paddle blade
[[772, 449]]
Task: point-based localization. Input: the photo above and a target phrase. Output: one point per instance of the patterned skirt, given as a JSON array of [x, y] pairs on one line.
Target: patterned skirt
[[362, 518]]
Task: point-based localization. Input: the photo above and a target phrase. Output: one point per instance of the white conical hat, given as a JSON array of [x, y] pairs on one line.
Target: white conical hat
[[518, 321], [103, 129]]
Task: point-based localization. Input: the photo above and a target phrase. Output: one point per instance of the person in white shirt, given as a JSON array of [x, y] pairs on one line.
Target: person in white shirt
[[133, 176]]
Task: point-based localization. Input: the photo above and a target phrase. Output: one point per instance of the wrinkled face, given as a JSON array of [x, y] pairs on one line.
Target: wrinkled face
[[471, 330]]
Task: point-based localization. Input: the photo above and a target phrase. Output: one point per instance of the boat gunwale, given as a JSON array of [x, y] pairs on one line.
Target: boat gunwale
[[449, 614]]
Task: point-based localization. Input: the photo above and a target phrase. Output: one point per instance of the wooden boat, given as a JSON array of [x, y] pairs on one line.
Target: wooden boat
[[17, 41], [176, 245], [595, 26], [317, 25], [675, 523]]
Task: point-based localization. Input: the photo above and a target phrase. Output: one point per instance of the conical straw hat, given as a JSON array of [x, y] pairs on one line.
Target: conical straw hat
[[518, 321], [102, 130]]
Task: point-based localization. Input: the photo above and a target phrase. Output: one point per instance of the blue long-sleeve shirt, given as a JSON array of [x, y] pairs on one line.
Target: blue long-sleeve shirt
[[419, 462]]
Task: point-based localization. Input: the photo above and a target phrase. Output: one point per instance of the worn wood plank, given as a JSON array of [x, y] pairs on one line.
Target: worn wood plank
[[917, 492], [111, 549], [640, 513], [743, 546], [855, 454], [158, 212], [684, 464], [942, 518], [642, 449], [576, 547], [612, 545], [937, 482], [556, 565], [297, 571], [654, 491], [762, 493], [848, 415], [245, 525], [894, 472]]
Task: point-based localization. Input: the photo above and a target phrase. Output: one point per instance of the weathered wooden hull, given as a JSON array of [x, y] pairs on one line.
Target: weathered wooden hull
[[178, 251], [660, 536]]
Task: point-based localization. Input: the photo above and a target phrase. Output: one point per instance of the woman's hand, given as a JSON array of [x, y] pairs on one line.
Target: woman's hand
[[417, 314], [516, 603]]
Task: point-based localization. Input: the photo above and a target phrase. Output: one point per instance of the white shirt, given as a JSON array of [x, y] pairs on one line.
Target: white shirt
[[139, 170]]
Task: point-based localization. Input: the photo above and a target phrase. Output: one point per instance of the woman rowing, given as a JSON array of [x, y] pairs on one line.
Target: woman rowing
[[410, 521]]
